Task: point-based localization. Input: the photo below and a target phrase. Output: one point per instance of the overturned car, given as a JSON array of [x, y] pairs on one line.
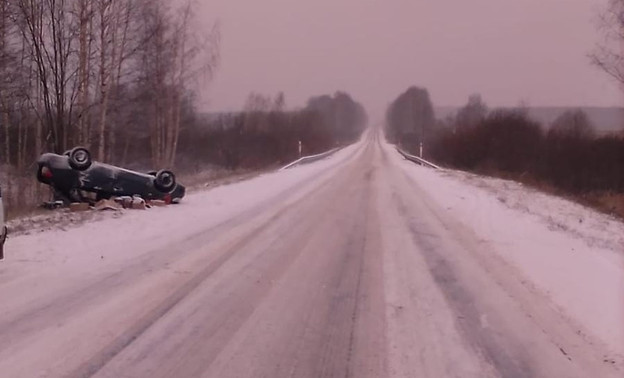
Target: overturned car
[[74, 174]]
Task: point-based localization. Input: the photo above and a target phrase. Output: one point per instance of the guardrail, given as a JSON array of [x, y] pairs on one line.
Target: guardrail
[[417, 160], [310, 159]]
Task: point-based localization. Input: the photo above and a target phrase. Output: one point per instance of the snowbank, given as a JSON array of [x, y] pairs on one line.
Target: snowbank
[[572, 253]]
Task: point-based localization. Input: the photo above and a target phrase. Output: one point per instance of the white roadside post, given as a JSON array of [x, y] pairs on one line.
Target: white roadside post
[[300, 149], [421, 150]]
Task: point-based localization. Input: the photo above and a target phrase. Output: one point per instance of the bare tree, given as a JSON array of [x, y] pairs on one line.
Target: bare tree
[[5, 62], [410, 118], [573, 124], [49, 32], [608, 55], [472, 114], [107, 34], [95, 72], [195, 55], [171, 57], [85, 21]]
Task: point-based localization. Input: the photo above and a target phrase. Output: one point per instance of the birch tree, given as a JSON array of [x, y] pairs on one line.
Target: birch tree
[[91, 72], [172, 57], [48, 32]]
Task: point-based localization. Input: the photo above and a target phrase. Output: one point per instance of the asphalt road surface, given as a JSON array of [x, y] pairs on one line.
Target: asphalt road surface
[[355, 272]]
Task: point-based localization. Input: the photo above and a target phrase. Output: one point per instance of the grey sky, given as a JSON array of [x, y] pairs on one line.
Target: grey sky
[[507, 50]]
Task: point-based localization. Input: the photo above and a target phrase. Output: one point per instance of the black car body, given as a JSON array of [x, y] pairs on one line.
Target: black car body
[[74, 172]]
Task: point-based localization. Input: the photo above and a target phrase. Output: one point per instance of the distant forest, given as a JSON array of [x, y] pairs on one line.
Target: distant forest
[[567, 154], [604, 119]]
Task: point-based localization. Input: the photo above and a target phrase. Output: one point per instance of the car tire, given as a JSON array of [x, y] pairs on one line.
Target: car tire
[[80, 158], [165, 181]]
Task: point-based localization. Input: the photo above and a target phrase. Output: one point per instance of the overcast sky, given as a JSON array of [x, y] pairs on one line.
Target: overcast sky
[[507, 50]]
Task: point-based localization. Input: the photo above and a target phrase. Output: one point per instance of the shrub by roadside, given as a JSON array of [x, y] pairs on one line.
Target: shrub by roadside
[[568, 158]]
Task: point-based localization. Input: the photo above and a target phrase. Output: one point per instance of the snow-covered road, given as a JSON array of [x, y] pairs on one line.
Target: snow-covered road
[[359, 265]]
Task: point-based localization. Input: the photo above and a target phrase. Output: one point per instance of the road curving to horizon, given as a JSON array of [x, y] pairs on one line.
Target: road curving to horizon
[[344, 268]]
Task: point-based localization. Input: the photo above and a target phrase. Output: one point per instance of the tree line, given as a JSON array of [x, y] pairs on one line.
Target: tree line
[[265, 133], [568, 154], [110, 75]]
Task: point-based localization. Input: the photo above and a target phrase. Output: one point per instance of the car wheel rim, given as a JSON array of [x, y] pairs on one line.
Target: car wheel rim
[[80, 156], [166, 180]]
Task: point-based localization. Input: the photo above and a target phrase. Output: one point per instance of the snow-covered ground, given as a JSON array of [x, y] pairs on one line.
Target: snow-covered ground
[[572, 253], [64, 240], [362, 257]]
